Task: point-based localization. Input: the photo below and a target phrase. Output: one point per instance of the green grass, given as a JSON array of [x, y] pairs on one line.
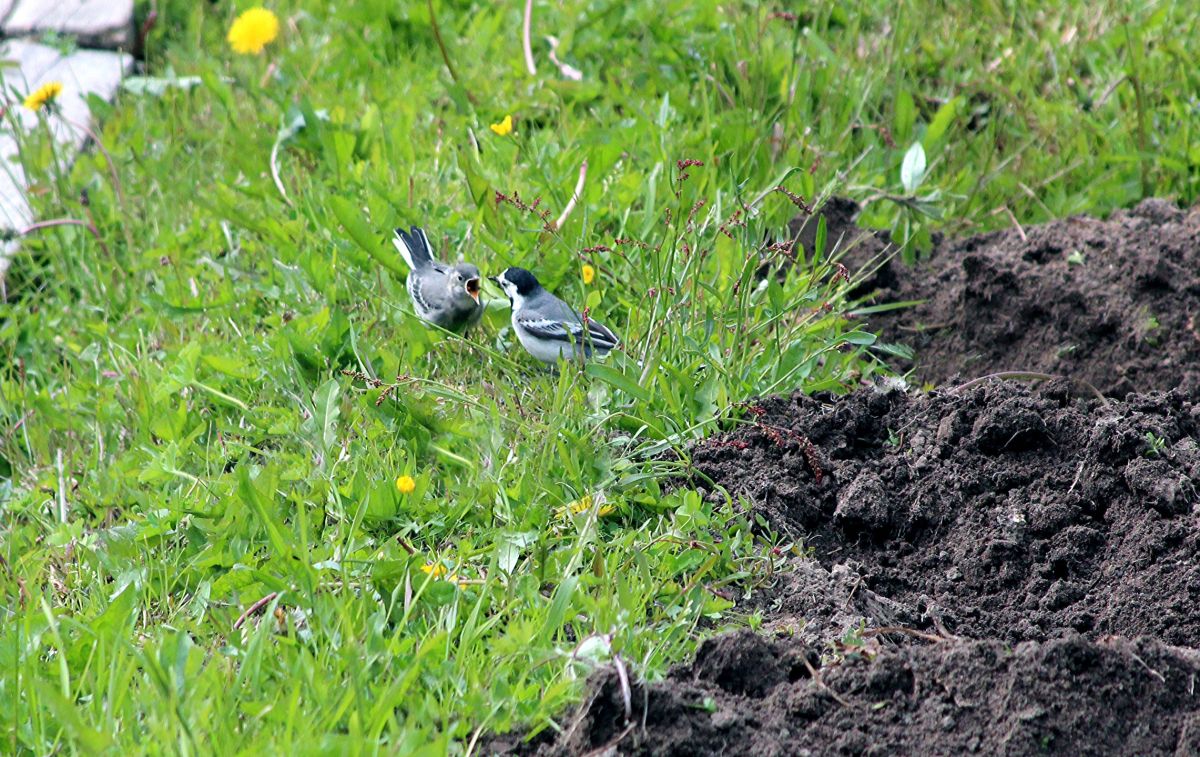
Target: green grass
[[212, 407]]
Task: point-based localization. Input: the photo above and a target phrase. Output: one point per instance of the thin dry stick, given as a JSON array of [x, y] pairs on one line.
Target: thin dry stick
[[562, 218], [529, 65], [816, 678], [1153, 672], [91, 227], [1015, 223], [1029, 375], [253, 609], [906, 631]]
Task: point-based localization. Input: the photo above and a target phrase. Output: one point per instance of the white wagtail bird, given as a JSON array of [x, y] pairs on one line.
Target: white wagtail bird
[[547, 327], [446, 296]]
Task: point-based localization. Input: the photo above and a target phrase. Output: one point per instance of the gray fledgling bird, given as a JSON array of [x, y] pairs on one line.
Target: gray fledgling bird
[[547, 327], [446, 296]]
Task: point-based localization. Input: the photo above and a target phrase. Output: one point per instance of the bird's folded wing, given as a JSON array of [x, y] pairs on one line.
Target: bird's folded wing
[[570, 331], [417, 288]]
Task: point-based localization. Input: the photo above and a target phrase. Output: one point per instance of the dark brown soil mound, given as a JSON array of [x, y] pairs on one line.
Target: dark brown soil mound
[[981, 559], [995, 569], [1115, 303], [996, 512], [1068, 696]]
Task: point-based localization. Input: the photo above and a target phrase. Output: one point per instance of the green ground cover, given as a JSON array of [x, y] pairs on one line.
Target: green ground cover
[[209, 390]]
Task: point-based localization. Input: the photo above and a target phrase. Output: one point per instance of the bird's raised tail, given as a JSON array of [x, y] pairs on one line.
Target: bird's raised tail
[[413, 246]]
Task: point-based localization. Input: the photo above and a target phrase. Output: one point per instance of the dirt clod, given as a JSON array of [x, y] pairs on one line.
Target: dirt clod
[[998, 570], [1111, 302], [1068, 696], [999, 512]]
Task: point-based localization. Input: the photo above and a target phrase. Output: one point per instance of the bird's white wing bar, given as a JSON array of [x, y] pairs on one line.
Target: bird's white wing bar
[[570, 331], [546, 328]]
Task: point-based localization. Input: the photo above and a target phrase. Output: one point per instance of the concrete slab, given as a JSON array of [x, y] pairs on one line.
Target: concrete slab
[[94, 23], [82, 73]]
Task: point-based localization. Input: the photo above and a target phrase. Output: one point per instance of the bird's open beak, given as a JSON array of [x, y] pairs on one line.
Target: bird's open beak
[[473, 288], [494, 279]]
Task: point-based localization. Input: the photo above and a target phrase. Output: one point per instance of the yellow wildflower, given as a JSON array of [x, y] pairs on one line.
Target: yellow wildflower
[[504, 128], [589, 274], [43, 95], [437, 570], [584, 504], [406, 484], [252, 31], [440, 572]]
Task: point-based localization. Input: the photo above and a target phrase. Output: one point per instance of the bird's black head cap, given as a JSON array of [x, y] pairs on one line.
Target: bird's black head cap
[[525, 282]]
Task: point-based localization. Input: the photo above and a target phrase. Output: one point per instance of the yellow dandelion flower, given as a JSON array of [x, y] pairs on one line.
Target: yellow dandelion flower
[[589, 274], [584, 504], [405, 484], [43, 95], [504, 128], [437, 570], [252, 31]]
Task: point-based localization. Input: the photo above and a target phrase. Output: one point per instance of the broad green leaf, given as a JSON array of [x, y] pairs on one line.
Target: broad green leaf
[[619, 380], [559, 605], [942, 120], [912, 171], [352, 221], [326, 411]]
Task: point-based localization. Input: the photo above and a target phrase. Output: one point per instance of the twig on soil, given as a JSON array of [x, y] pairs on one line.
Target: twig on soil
[[816, 678], [880, 631], [253, 609], [1153, 672], [1078, 473], [1031, 375], [941, 628], [1020, 231]]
